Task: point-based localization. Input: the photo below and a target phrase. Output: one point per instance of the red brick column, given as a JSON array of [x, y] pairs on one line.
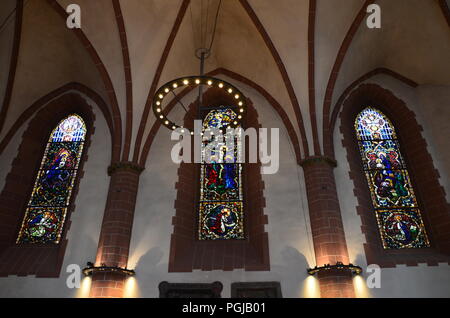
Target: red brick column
[[327, 227], [114, 243]]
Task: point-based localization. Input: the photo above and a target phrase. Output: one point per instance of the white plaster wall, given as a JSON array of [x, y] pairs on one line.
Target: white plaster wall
[[287, 26], [286, 206], [86, 219], [50, 56], [98, 23], [402, 281], [333, 20]]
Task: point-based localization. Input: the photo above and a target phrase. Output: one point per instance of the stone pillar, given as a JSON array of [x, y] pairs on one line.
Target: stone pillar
[[115, 235], [327, 228]]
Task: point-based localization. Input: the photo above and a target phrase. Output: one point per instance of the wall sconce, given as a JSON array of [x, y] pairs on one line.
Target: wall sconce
[[103, 268], [354, 269]]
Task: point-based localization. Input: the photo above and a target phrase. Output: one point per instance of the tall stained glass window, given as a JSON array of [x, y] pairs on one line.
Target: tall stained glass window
[[47, 208], [398, 216], [221, 203]]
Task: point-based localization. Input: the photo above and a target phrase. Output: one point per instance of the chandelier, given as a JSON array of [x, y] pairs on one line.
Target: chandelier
[[201, 81]]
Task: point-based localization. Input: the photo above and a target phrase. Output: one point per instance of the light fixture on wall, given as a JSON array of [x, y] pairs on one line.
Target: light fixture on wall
[[200, 81], [103, 268], [354, 269]]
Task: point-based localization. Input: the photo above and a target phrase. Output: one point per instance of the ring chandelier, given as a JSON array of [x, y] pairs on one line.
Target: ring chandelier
[[193, 81]]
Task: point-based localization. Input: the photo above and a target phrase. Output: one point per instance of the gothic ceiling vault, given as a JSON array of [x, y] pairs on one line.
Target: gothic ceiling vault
[[301, 55]]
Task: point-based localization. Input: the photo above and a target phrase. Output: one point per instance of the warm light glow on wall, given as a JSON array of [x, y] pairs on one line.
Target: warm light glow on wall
[[361, 290], [131, 289], [85, 287], [311, 288], [139, 251]]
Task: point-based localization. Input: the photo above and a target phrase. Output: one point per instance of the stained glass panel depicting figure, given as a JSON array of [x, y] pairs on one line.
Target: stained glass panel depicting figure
[[47, 207], [398, 215], [221, 207]]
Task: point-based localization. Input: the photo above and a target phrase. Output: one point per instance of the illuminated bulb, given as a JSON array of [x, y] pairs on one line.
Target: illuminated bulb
[[173, 127], [166, 122], [161, 96], [197, 81], [192, 133], [230, 90], [182, 131], [161, 116], [240, 117], [241, 103], [221, 85], [175, 85], [166, 90], [235, 122], [185, 82], [241, 110], [158, 103], [210, 83], [236, 96], [158, 110]]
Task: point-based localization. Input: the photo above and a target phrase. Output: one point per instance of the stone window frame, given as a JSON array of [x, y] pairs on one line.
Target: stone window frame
[[187, 253], [41, 260], [424, 178]]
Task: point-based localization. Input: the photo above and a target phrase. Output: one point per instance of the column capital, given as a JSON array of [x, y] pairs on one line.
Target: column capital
[[318, 159], [124, 165]]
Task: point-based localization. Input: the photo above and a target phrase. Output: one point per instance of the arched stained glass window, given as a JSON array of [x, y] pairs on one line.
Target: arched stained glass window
[[398, 215], [221, 203], [47, 208]]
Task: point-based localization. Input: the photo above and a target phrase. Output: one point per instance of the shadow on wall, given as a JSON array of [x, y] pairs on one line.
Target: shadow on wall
[[295, 281], [152, 270]]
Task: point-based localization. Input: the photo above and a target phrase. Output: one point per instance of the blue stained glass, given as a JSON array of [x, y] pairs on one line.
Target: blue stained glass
[[221, 198], [398, 216], [47, 207]]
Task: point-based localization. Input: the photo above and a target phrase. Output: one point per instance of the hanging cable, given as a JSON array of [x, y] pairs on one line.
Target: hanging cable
[[177, 99], [201, 23], [215, 25], [206, 24], [193, 27]]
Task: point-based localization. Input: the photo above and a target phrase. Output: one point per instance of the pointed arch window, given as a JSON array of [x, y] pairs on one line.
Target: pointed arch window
[[47, 207], [221, 205], [398, 215]]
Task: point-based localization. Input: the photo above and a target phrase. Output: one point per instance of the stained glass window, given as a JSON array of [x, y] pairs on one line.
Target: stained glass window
[[47, 208], [398, 215], [221, 204]]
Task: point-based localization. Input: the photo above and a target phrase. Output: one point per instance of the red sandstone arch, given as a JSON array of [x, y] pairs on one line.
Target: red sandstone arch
[[424, 176], [42, 260], [329, 141], [272, 101], [117, 120], [37, 105]]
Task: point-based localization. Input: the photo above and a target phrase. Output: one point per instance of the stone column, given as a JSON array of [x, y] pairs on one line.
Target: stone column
[[115, 235], [327, 228]]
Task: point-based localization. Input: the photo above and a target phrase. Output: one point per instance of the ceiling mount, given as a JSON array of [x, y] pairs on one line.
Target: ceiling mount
[[201, 80]]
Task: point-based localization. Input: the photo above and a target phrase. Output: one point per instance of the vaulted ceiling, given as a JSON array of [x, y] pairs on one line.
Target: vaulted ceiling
[[302, 53]]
